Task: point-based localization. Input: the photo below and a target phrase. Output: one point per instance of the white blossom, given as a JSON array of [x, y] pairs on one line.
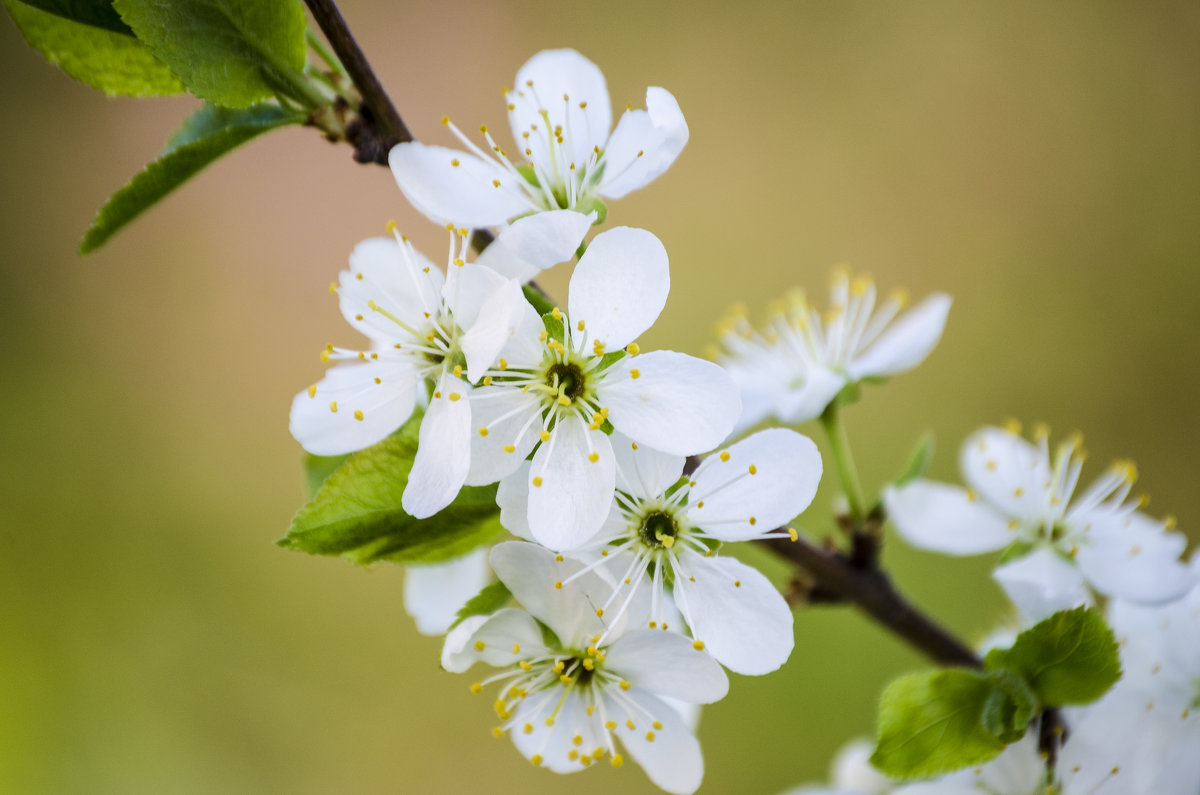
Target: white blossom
[[799, 363], [568, 697], [555, 397], [435, 592], [565, 158], [663, 531], [1020, 497]]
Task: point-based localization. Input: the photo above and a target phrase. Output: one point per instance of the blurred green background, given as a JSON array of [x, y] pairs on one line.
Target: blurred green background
[[1037, 160]]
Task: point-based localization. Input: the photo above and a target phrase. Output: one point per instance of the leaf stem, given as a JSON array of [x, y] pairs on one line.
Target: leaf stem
[[323, 52], [839, 443]]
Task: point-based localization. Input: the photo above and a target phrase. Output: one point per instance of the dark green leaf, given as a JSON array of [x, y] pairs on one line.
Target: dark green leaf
[[918, 461], [540, 303], [357, 513], [1069, 658], [97, 13], [1010, 707], [206, 135], [230, 52], [488, 601], [117, 64], [932, 722], [318, 468]]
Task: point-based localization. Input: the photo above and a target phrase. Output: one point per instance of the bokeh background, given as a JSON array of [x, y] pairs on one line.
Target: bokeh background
[[1039, 161]]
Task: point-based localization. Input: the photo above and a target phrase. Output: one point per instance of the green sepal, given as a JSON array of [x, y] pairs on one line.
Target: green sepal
[[205, 135], [526, 171], [1009, 707], [933, 722], [594, 204], [232, 53], [357, 513], [490, 599], [1015, 550], [554, 326], [1068, 659], [918, 460], [850, 394], [540, 303], [108, 60]]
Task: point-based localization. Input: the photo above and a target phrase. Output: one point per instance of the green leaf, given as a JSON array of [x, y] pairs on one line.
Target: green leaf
[[487, 601], [1010, 707], [318, 468], [206, 135], [97, 13], [1069, 658], [918, 461], [554, 326], [117, 64], [230, 52], [538, 300], [357, 513], [932, 722]]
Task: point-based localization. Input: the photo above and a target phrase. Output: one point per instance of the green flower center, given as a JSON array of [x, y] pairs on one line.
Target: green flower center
[[568, 379], [659, 529]]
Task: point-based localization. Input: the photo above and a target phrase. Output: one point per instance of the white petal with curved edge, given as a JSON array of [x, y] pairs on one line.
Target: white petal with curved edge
[[571, 494], [678, 404], [512, 418], [730, 503], [454, 659], [906, 341], [619, 286], [1145, 573], [1007, 471], [944, 518], [443, 450], [531, 244], [672, 759], [393, 278], [352, 387], [556, 73], [644, 145], [1042, 583], [736, 612], [513, 498], [433, 594], [531, 572], [819, 387], [467, 288], [463, 195], [643, 471], [495, 324], [554, 743], [666, 664], [508, 635], [852, 769]]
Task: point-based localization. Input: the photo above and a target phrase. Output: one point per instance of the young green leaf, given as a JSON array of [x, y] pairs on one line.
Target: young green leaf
[[1069, 658], [1010, 707], [487, 601], [918, 461], [97, 13], [115, 63], [540, 303], [357, 513], [933, 722], [230, 52], [206, 135], [318, 468]]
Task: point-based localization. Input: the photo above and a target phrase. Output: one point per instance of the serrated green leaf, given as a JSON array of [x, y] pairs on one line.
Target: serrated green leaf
[[318, 468], [918, 461], [540, 303], [487, 601], [97, 13], [932, 722], [229, 52], [357, 512], [1069, 658], [1010, 707], [117, 64], [206, 135]]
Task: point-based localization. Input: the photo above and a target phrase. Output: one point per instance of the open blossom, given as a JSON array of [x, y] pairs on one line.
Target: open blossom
[[1019, 496], [559, 384], [663, 531], [568, 697], [799, 363], [428, 329], [564, 157]]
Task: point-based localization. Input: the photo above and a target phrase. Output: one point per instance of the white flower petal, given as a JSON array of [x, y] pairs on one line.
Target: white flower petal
[[677, 403], [644, 145], [643, 471], [769, 477], [394, 279], [510, 634], [524, 351], [1142, 571], [1007, 471], [443, 450], [433, 594], [553, 744], [1041, 583], [531, 244], [464, 195], [666, 664], [513, 498], [742, 620], [555, 73], [672, 757], [352, 387], [467, 288], [852, 770], [806, 400], [572, 479], [512, 419], [945, 518], [906, 342], [455, 659], [492, 328], [531, 572], [619, 286]]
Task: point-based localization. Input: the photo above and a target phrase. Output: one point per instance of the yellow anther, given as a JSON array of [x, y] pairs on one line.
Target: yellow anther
[[503, 364], [359, 276], [454, 396], [391, 227], [446, 120], [860, 285], [333, 406], [483, 431], [479, 645], [1170, 522], [579, 325], [508, 448], [536, 759], [527, 728], [455, 163], [649, 737], [324, 357], [698, 645], [577, 740], [635, 373], [1018, 492], [495, 183], [312, 391], [572, 754], [617, 760], [724, 455], [632, 349], [753, 469], [792, 534], [563, 400], [537, 480], [1013, 524], [458, 262], [700, 504], [544, 435], [476, 688], [972, 496], [358, 415], [753, 521], [333, 288], [566, 680], [558, 585], [736, 584], [598, 348], [525, 665], [556, 313], [625, 686], [598, 754], [657, 725], [589, 664], [359, 317], [630, 725], [497, 732], [378, 380], [1013, 426], [593, 457], [437, 394]]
